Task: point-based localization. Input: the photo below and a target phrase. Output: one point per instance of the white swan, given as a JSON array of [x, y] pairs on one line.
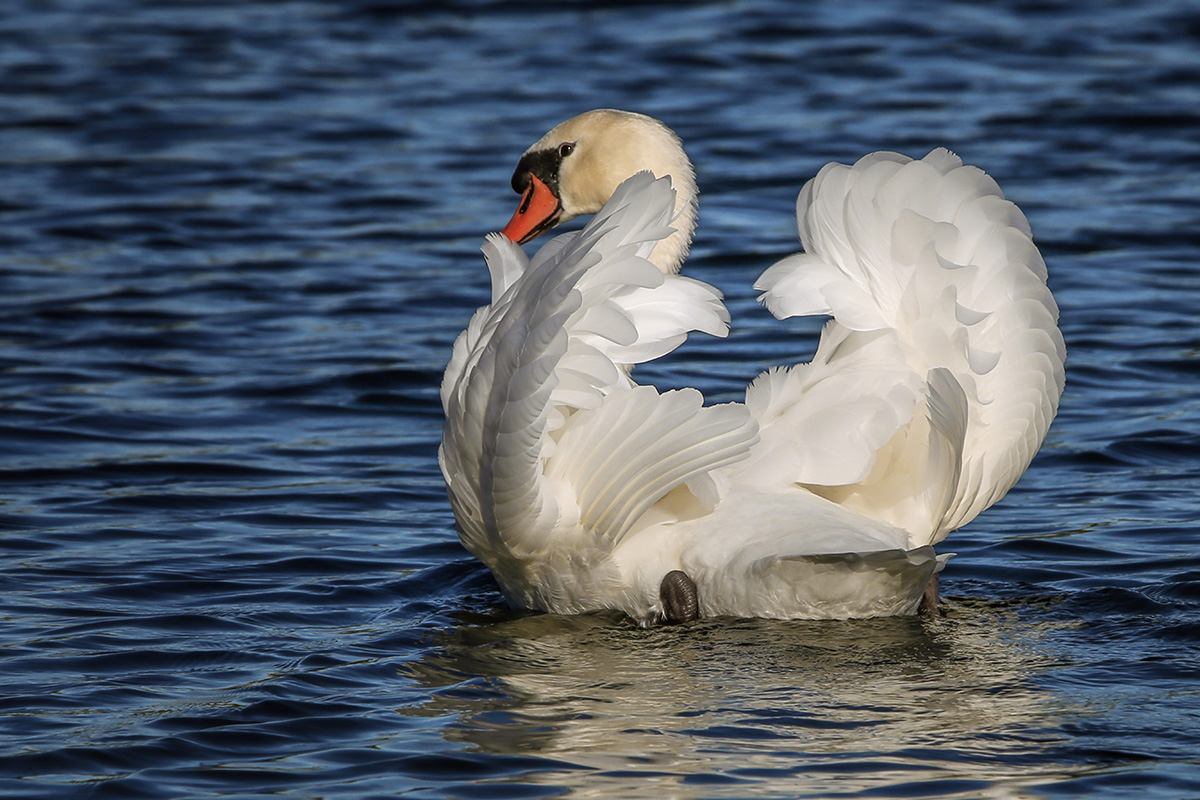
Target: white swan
[[823, 494]]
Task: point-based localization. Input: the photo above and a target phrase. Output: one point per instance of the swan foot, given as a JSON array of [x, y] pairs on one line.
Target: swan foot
[[929, 601], [680, 602]]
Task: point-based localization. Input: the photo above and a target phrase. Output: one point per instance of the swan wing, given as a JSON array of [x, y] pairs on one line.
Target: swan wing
[[546, 434], [938, 377], [638, 445]]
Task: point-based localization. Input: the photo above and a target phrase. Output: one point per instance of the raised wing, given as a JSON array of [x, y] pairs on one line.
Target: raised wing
[[546, 434], [928, 260]]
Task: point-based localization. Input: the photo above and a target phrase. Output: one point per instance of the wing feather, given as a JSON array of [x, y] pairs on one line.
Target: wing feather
[[545, 429], [934, 259]]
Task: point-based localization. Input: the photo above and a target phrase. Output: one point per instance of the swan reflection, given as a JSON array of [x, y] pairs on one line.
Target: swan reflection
[[715, 707]]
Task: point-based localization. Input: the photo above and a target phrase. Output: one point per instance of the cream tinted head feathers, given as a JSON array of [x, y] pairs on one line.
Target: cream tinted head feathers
[[575, 168]]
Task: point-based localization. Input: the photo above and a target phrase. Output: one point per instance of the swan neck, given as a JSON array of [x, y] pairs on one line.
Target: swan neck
[[669, 254]]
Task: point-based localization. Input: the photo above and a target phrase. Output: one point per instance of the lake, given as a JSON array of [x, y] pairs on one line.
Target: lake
[[239, 239]]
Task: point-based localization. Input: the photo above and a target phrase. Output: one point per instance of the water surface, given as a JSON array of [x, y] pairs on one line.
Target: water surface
[[239, 240]]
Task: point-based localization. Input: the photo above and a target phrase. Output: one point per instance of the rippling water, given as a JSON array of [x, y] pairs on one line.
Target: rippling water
[[239, 239]]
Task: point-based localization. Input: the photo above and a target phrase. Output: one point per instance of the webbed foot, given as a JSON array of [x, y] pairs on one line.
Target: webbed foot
[[680, 601], [929, 602]]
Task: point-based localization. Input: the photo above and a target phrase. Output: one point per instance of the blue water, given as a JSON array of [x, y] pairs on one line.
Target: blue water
[[238, 241]]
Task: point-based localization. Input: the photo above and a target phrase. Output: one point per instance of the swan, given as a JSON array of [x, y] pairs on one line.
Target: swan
[[824, 493]]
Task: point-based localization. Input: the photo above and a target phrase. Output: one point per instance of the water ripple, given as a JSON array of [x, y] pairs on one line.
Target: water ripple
[[241, 238]]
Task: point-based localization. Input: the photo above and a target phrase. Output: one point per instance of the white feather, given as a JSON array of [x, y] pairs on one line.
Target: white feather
[[931, 389]]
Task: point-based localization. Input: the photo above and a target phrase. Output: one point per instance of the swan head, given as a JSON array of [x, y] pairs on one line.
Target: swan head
[[575, 168]]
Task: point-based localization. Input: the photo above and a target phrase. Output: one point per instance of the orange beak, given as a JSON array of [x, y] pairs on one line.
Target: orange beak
[[538, 212]]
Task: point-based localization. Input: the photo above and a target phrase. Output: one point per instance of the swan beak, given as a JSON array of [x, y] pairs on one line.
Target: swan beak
[[538, 212]]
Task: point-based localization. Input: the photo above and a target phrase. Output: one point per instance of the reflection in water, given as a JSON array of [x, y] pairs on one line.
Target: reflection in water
[[240, 239], [716, 707]]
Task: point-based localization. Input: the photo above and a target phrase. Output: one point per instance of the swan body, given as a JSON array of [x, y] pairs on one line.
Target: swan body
[[824, 493]]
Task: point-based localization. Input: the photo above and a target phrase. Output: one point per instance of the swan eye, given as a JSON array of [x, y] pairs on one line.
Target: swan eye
[[565, 149]]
